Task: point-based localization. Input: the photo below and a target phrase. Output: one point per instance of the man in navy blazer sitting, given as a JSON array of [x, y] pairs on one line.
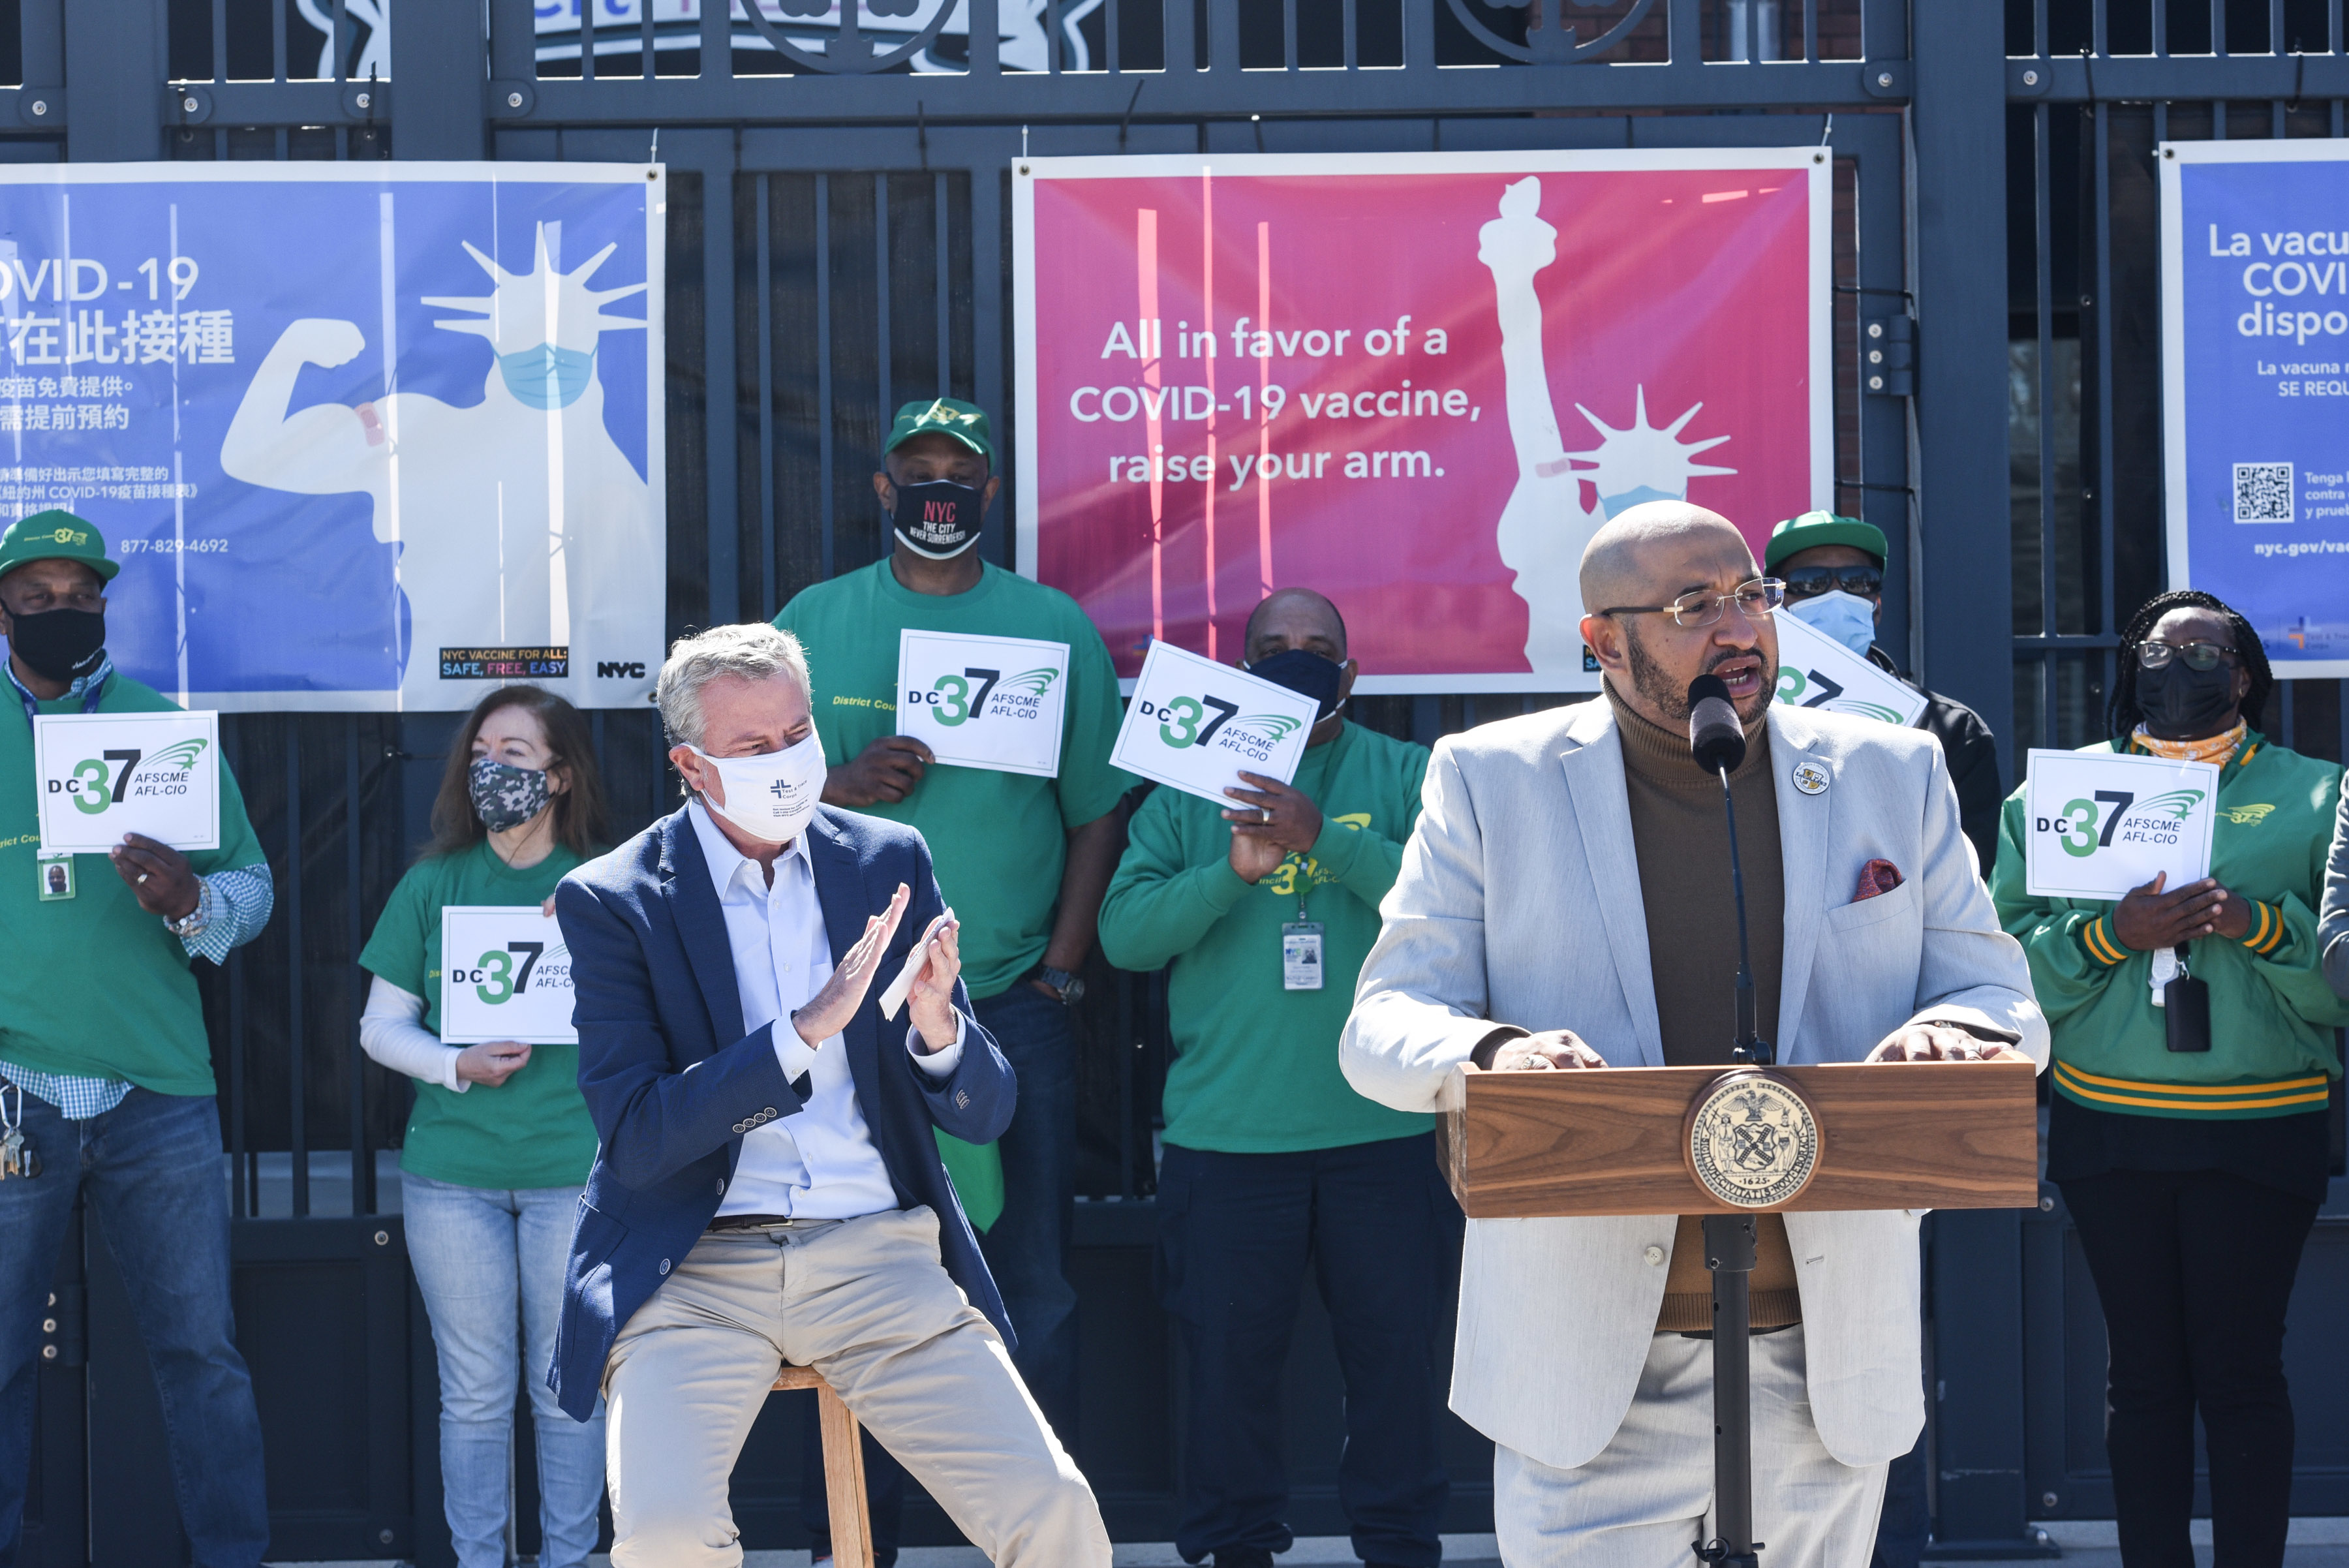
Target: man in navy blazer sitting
[[768, 1188]]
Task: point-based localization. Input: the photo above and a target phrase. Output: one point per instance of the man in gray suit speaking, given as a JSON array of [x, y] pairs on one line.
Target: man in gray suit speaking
[[1564, 903]]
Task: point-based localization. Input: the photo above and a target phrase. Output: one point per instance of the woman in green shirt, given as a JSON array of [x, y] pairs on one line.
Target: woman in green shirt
[[498, 1149]]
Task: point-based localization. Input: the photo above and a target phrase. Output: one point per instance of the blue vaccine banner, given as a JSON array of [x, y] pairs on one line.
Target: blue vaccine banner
[[2255, 388], [362, 436]]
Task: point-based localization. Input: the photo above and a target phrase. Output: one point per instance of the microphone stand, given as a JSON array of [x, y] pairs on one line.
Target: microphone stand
[[1729, 1252]]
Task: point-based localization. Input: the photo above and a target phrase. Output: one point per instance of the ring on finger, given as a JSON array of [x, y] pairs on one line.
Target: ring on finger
[[143, 878], [1264, 814]]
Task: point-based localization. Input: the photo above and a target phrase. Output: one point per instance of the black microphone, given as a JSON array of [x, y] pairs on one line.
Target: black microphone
[[1717, 739], [1714, 735]]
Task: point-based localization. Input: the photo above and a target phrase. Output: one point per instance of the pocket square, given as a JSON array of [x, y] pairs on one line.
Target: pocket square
[[1877, 877]]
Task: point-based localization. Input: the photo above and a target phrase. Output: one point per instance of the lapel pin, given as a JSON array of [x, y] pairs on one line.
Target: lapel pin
[[1810, 778]]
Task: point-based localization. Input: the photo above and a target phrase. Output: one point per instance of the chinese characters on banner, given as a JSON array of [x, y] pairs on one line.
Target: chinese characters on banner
[[1418, 383], [364, 436]]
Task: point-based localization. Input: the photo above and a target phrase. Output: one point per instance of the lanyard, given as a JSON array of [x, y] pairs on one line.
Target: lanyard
[[89, 696]]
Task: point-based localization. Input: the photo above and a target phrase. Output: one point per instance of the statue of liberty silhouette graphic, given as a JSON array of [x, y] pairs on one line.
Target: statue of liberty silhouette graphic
[[1545, 526], [520, 521]]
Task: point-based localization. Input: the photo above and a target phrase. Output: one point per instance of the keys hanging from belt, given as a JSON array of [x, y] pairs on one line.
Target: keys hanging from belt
[[17, 1155]]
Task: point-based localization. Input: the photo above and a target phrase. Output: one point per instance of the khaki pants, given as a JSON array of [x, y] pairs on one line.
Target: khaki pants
[[1648, 1494], [867, 1304]]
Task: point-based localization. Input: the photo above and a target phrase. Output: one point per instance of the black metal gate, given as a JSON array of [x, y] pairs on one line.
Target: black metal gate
[[839, 240]]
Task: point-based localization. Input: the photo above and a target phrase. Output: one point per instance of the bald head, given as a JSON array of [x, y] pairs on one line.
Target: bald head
[[1296, 618], [1640, 556]]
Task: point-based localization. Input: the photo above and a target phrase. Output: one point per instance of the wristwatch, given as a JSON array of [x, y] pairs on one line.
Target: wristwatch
[[195, 920], [1071, 987]]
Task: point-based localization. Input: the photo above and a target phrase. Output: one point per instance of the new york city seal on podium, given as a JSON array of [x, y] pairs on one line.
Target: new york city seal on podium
[[1752, 1140]]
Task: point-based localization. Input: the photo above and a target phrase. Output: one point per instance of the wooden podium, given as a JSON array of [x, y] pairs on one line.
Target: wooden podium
[[1729, 1143]]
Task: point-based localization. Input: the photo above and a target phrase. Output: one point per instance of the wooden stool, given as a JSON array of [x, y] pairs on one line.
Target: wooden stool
[[843, 1470]]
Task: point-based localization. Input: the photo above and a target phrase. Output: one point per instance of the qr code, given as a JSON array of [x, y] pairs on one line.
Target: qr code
[[2263, 492]]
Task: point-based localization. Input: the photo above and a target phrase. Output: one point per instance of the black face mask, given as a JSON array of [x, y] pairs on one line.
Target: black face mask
[[938, 519], [1308, 674], [59, 644], [2181, 703]]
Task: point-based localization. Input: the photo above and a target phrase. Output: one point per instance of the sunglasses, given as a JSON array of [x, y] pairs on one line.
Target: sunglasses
[[1805, 582], [2203, 656]]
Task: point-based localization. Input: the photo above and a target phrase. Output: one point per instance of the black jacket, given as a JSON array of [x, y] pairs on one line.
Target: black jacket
[[1972, 754]]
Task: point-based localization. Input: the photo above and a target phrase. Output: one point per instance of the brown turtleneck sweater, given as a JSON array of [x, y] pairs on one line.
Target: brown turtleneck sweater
[[1682, 839]]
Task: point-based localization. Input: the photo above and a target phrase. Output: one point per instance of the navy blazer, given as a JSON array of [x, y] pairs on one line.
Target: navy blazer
[[656, 995]]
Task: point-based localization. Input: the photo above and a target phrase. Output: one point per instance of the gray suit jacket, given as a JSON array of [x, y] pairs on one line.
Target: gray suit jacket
[[1519, 903]]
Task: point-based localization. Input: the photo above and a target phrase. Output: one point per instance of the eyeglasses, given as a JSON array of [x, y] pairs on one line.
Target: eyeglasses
[[2198, 655], [1755, 599], [1805, 582]]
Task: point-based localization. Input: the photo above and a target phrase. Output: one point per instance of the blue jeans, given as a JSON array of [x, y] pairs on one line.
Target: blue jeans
[[150, 1169], [489, 1263], [1236, 1236], [1027, 1251]]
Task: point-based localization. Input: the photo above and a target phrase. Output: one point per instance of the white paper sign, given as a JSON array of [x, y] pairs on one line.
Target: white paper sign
[[504, 975], [984, 702], [2099, 824], [102, 775], [1814, 671], [1193, 724]]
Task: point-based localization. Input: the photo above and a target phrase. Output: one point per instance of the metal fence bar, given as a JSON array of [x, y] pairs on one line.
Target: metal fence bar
[[342, 47], [277, 48], [2101, 299], [2043, 221], [766, 405], [1811, 32], [241, 1193], [1056, 40], [823, 364], [881, 297], [644, 39], [945, 289], [1349, 21], [587, 40], [296, 1037], [362, 1154], [1289, 34], [986, 37], [1112, 42]]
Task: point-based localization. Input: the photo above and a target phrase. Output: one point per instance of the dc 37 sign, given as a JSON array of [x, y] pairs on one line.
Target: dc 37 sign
[[2102, 824], [1418, 382], [102, 775]]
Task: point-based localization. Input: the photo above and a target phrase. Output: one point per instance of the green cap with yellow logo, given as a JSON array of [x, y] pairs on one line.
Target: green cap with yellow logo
[[55, 536], [966, 422], [1812, 529]]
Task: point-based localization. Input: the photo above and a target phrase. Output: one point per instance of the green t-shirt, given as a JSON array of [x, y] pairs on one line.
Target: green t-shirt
[[532, 1131], [1255, 1065], [101, 990], [998, 840]]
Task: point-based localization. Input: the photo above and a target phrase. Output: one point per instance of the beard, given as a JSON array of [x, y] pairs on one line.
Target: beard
[[1671, 696]]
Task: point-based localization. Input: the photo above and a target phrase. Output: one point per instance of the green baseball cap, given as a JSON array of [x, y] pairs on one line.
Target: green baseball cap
[[55, 536], [966, 422], [1812, 529]]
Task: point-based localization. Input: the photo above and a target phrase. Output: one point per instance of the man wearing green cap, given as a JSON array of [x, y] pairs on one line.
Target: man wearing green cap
[[1834, 571], [105, 1069], [1023, 858]]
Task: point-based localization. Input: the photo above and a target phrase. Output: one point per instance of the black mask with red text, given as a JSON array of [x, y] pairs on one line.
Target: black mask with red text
[[939, 518]]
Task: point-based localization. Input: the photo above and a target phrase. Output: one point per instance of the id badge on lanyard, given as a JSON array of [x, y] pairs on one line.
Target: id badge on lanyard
[[54, 873], [1302, 962]]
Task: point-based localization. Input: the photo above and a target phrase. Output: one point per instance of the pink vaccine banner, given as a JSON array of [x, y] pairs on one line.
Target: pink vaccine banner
[[1417, 383]]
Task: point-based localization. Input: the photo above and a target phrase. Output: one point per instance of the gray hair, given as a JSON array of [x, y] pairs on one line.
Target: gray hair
[[754, 651]]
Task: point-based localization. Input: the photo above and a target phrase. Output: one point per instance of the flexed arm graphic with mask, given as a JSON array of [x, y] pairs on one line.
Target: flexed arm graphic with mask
[[499, 510]]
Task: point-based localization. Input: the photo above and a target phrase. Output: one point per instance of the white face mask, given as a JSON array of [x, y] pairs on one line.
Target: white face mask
[[770, 797], [1846, 618]]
